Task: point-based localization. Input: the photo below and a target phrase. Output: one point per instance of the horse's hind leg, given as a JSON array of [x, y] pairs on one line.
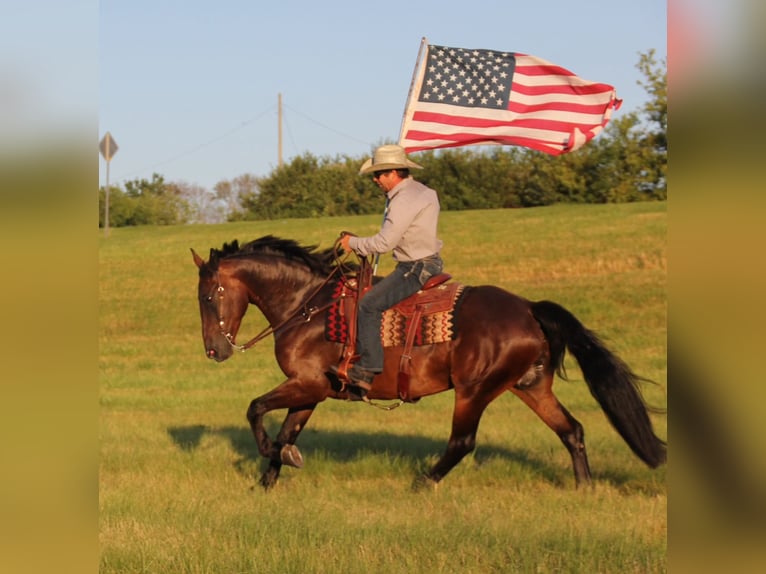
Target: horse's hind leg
[[462, 440], [540, 398]]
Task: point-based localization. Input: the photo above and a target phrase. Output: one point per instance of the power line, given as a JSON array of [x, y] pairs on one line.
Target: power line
[[241, 126], [327, 127], [290, 133], [198, 147]]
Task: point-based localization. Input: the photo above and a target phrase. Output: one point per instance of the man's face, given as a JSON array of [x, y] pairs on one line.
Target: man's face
[[384, 179]]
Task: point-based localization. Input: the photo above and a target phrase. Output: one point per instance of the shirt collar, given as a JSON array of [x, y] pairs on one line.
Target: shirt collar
[[397, 188]]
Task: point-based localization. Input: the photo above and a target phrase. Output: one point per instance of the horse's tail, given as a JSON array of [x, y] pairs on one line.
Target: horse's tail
[[610, 380]]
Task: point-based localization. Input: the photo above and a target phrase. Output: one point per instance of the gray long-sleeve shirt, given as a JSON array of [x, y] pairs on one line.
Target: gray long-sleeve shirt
[[410, 226]]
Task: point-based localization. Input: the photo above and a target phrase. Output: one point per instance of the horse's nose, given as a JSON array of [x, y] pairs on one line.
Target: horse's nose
[[211, 353]]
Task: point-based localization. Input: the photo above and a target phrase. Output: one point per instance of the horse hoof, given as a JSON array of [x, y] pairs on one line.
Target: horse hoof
[[267, 481], [424, 483], [291, 456]]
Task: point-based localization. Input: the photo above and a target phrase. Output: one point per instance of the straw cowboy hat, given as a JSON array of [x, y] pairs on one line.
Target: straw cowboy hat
[[389, 156]]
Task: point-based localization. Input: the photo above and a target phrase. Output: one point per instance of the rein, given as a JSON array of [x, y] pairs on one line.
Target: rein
[[303, 314]]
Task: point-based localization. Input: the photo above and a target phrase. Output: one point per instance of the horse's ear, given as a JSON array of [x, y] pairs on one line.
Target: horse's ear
[[197, 259]]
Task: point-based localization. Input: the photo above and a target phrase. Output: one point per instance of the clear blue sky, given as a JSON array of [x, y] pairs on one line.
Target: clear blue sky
[[189, 89]]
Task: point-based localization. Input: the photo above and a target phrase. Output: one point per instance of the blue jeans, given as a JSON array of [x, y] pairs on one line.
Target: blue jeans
[[406, 279]]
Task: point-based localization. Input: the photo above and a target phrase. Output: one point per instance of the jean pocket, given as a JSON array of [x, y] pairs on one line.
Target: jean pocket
[[427, 268]]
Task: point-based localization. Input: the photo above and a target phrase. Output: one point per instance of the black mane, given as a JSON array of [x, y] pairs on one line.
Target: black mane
[[320, 262]]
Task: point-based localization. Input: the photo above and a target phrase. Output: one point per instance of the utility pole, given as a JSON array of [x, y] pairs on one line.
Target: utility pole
[[279, 119]]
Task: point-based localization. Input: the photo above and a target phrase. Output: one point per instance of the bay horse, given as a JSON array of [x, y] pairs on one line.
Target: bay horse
[[502, 342]]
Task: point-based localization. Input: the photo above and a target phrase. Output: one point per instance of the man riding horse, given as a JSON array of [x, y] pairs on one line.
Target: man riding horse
[[409, 230]]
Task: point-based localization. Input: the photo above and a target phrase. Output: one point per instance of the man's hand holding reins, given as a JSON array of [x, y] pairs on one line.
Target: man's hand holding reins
[[345, 236]]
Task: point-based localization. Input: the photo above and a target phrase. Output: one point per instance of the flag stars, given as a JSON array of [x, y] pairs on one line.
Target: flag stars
[[476, 78]]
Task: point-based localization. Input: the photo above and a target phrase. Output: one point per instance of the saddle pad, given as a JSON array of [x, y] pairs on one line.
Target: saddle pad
[[436, 323], [335, 326]]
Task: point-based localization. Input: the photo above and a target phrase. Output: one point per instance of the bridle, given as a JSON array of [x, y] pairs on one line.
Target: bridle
[[304, 313]]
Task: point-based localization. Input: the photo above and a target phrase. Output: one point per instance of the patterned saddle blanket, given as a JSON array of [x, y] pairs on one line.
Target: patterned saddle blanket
[[435, 308]]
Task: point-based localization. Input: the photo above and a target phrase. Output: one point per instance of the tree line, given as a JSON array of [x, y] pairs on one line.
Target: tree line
[[626, 162]]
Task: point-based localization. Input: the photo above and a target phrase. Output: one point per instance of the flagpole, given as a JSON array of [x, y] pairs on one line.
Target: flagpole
[[377, 255], [415, 79], [401, 131]]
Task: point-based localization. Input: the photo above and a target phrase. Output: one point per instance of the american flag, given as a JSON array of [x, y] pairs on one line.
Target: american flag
[[464, 97]]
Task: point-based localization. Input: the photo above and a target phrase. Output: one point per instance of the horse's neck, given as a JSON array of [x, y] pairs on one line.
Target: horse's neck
[[278, 290]]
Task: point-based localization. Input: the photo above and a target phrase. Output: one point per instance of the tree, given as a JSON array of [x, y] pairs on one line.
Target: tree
[[231, 196], [121, 207], [200, 203], [145, 202], [539, 181], [627, 162], [309, 186], [656, 84], [656, 109]]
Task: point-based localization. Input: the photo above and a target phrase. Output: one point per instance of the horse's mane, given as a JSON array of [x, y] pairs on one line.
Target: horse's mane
[[320, 262]]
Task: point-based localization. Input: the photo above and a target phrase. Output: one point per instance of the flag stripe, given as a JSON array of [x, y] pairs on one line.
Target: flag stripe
[[467, 97], [508, 119], [599, 102], [449, 111], [520, 108], [550, 136], [549, 88], [561, 129], [521, 138]]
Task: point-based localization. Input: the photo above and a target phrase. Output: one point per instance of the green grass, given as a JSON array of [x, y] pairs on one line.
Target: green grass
[[179, 468]]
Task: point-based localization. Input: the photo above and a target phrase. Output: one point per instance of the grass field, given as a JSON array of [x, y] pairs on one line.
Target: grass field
[[178, 466]]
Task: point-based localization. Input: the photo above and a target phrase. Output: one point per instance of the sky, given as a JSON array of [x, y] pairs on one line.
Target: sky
[[189, 89]]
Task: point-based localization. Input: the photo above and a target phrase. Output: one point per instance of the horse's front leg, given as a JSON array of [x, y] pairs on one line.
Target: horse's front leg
[[284, 451], [300, 400]]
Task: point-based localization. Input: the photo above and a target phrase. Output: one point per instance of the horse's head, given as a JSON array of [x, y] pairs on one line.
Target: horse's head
[[222, 304]]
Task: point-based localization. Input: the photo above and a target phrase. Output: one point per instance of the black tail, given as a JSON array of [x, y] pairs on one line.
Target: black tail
[[611, 382]]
